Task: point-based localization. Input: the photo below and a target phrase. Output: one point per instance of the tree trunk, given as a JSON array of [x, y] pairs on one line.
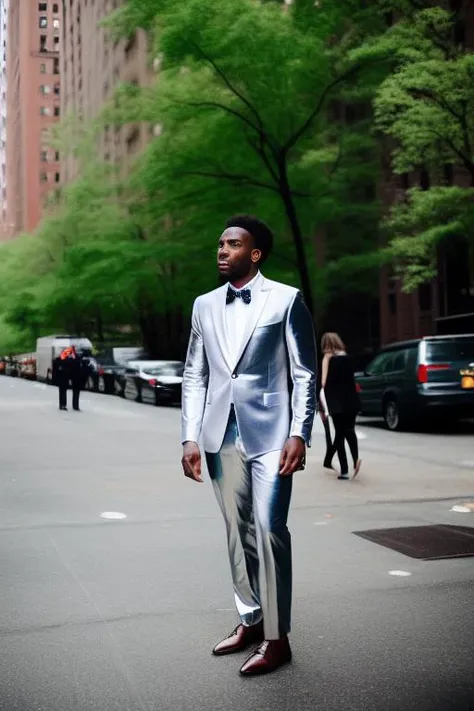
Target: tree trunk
[[161, 334], [149, 335], [301, 261]]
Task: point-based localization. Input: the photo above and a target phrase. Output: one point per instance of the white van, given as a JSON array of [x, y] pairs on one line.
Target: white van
[[49, 347]]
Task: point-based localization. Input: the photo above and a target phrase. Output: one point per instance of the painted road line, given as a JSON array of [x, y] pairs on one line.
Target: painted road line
[[399, 573]]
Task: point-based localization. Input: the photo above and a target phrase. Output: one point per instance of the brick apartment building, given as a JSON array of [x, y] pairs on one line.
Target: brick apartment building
[[92, 65], [33, 107], [3, 118]]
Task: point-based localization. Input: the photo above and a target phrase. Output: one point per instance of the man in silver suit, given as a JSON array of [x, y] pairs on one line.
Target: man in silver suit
[[249, 391]]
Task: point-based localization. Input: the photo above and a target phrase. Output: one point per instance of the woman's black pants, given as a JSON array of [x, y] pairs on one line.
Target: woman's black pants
[[344, 426]]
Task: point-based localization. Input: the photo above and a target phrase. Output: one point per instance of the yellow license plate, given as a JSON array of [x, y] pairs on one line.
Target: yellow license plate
[[467, 382]]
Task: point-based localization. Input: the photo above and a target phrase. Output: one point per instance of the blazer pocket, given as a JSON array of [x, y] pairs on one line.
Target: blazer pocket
[[267, 324], [272, 399]]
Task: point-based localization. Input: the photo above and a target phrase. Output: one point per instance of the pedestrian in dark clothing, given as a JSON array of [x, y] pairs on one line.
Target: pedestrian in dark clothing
[[340, 400], [327, 434], [61, 379], [81, 371], [70, 368], [75, 375]]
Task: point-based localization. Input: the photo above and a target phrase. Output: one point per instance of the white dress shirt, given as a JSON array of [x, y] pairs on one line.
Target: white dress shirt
[[237, 316]]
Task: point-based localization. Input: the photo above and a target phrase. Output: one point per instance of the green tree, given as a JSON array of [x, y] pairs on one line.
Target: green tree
[[256, 108], [243, 100], [425, 105]]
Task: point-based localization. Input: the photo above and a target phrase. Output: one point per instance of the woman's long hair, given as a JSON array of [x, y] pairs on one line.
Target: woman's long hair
[[332, 343]]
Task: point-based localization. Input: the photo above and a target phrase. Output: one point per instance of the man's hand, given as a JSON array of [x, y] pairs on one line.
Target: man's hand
[[293, 456], [191, 461]]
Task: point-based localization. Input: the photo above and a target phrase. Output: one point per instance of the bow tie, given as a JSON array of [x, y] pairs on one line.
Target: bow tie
[[244, 294]]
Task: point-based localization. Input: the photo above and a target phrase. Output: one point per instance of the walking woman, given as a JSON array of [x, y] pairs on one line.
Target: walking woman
[[339, 399]]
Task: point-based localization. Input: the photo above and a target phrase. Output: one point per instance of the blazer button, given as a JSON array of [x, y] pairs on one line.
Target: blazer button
[[234, 376]]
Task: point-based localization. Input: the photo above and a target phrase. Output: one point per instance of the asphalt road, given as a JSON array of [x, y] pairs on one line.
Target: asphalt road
[[100, 615]]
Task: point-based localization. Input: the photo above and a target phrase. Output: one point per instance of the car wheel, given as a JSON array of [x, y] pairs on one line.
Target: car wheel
[[391, 414]]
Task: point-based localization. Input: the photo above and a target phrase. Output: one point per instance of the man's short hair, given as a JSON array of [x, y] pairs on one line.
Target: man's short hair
[[261, 233]]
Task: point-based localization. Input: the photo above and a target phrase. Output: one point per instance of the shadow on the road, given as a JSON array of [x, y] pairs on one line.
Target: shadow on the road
[[431, 427]]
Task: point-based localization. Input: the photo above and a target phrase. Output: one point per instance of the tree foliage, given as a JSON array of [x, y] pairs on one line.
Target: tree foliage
[[425, 106], [243, 99], [281, 110]]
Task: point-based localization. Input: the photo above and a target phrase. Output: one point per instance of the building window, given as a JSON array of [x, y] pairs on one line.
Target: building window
[[56, 24], [130, 45], [57, 177], [425, 297], [44, 156], [57, 111], [448, 173], [55, 7], [42, 68], [44, 111], [132, 140], [392, 304], [56, 66], [43, 22], [56, 43], [44, 89], [43, 6], [43, 40], [56, 89], [425, 181], [56, 156], [43, 177]]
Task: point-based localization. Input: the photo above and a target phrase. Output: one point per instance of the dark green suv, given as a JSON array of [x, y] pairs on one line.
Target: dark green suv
[[410, 381]]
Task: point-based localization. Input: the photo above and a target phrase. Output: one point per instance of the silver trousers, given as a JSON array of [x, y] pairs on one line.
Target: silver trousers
[[254, 500]]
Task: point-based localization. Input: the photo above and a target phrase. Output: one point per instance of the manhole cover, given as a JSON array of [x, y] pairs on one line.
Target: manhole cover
[[425, 542]]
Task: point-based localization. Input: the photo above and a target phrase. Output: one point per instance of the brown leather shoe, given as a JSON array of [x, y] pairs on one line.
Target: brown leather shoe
[[271, 654], [240, 639]]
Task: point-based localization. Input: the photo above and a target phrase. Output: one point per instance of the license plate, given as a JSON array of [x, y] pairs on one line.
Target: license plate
[[467, 379]]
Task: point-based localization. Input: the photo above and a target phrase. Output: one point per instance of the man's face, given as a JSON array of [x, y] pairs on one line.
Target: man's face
[[236, 254]]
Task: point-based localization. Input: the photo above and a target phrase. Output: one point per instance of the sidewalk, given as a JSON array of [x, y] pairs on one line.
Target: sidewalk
[[384, 476]]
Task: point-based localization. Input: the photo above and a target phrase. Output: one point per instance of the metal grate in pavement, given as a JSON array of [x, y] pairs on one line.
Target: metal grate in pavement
[[425, 542]]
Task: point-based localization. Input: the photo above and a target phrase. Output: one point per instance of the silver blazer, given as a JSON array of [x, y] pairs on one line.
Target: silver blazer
[[271, 380]]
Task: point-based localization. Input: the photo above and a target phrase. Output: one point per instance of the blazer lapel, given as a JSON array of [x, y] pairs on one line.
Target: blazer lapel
[[259, 300], [218, 315]]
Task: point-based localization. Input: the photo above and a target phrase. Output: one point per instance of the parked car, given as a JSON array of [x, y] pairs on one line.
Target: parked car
[[12, 367], [155, 382], [420, 379], [3, 363], [27, 366], [109, 369]]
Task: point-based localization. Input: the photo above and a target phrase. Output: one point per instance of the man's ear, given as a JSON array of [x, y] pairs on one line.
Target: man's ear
[[256, 255]]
